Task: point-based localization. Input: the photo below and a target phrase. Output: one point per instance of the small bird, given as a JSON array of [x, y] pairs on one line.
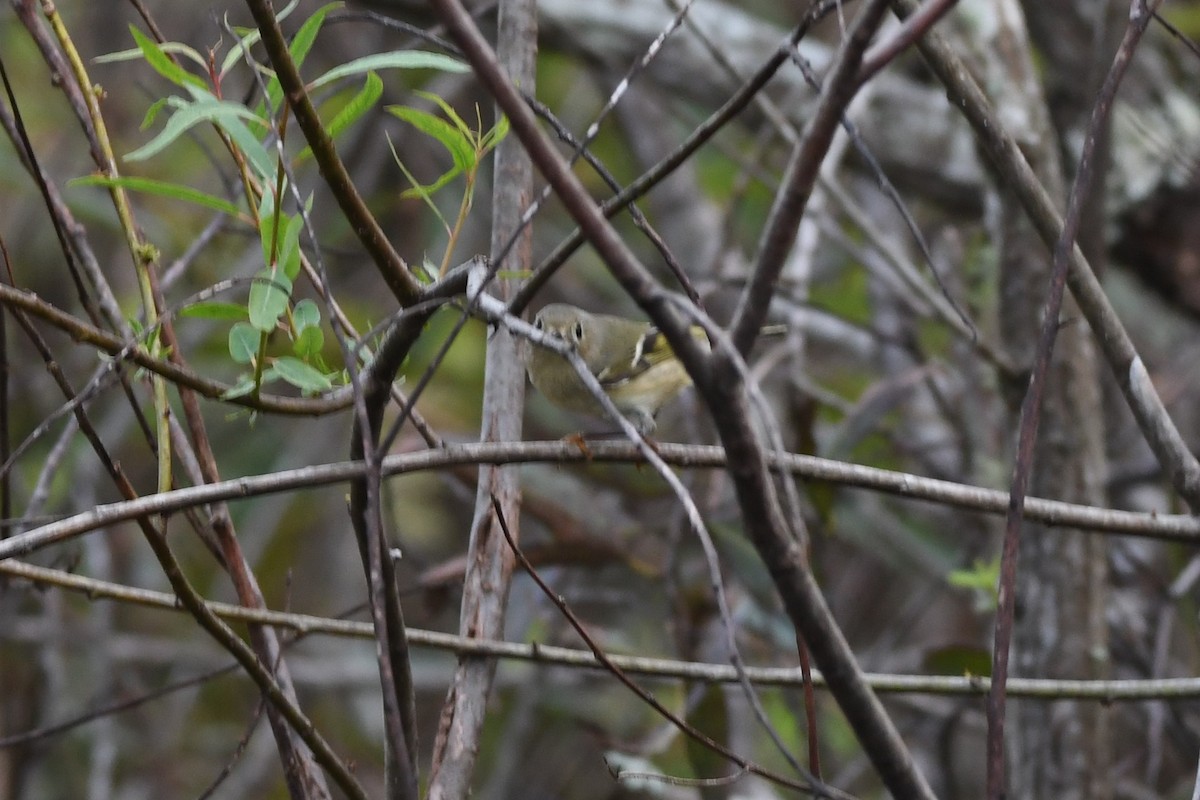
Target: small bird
[[632, 361]]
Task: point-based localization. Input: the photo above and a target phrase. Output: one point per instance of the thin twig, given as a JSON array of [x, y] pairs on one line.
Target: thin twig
[[1102, 691], [1139, 20]]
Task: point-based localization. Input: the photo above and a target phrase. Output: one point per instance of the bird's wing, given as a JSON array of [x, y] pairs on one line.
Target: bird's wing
[[651, 348]]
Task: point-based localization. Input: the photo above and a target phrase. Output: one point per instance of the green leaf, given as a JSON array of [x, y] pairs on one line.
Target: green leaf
[[243, 343], [153, 111], [214, 310], [496, 135], [243, 387], [982, 575], [352, 111], [303, 376], [268, 299], [462, 149], [303, 41], [449, 111], [417, 189], [162, 63], [289, 253], [309, 342], [306, 314], [402, 59], [174, 191], [135, 53], [280, 248], [209, 110], [263, 162]]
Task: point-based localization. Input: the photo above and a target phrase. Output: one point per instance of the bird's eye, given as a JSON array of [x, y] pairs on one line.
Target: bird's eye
[[579, 331], [537, 323]]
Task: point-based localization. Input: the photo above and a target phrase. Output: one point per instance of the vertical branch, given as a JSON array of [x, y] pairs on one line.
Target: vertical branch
[[489, 561], [779, 234], [1031, 408]]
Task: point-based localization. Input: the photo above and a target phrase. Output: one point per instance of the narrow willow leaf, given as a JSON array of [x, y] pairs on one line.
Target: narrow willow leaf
[[461, 149], [174, 191], [417, 189], [403, 59], [496, 135], [303, 376], [153, 111], [212, 110], [135, 53], [263, 162], [302, 42], [162, 63], [360, 104], [289, 253], [268, 299], [449, 111]]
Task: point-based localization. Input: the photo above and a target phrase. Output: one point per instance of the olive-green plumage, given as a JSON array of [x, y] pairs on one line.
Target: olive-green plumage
[[632, 361]]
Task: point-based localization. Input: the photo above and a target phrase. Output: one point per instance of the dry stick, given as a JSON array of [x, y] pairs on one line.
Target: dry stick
[[64, 224], [227, 768], [49, 731], [816, 787], [26, 11], [1179, 35], [1139, 19], [770, 431], [580, 147], [943, 302], [488, 576], [911, 30], [374, 384], [42, 576], [765, 525], [5, 443]]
